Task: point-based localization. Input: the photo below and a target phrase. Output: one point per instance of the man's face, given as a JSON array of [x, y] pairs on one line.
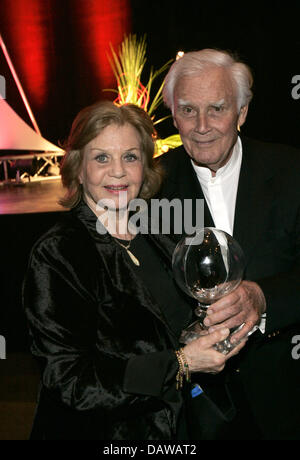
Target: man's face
[[206, 115]]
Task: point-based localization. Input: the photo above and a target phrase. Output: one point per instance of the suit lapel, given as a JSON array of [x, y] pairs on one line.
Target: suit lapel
[[187, 186], [253, 199]]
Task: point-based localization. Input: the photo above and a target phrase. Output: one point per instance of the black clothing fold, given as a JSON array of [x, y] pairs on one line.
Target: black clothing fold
[[102, 342], [267, 226]]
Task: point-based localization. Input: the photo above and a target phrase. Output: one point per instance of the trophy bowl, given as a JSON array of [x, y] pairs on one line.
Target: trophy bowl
[[207, 266]]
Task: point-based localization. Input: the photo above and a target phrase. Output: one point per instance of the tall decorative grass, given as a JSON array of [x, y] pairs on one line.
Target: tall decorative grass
[[128, 66]]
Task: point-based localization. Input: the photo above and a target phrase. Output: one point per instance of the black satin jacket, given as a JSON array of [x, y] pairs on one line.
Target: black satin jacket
[[104, 349]]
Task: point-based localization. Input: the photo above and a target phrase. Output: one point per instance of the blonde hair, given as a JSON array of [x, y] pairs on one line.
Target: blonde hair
[[87, 125]]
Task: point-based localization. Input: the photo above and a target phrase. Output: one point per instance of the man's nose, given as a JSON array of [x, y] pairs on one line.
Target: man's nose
[[202, 123]]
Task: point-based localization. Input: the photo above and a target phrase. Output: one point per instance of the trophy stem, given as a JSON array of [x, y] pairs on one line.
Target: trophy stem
[[201, 312], [197, 329]]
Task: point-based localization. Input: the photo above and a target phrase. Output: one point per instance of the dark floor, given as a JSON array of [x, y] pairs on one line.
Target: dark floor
[[26, 212], [19, 381]]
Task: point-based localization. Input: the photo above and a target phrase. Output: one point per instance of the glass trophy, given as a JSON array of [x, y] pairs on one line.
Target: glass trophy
[[207, 266]]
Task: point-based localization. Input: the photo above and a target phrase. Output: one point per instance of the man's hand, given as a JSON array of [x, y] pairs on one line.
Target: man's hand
[[244, 305], [202, 357]]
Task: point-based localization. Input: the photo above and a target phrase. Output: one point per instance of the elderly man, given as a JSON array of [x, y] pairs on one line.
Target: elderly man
[[251, 190]]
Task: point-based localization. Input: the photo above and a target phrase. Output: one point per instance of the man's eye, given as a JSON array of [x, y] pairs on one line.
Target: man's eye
[[187, 110], [102, 158], [218, 108]]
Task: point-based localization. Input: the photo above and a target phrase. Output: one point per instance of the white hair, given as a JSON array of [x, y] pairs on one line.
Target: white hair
[[195, 62]]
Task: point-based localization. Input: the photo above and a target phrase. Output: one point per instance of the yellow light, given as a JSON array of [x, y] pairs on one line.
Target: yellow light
[[179, 55]]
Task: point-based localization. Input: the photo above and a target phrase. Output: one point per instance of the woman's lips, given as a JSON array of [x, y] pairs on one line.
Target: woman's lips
[[116, 188]]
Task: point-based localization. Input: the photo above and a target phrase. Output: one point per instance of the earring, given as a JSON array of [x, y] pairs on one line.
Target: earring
[[238, 128]]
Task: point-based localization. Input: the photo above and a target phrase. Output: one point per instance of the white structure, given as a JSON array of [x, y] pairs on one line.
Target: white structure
[[15, 134]]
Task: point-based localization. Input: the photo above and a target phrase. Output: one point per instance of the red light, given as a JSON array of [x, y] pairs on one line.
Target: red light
[[30, 47], [99, 24]]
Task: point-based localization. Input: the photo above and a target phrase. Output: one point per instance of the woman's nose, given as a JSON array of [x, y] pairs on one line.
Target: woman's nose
[[117, 168]]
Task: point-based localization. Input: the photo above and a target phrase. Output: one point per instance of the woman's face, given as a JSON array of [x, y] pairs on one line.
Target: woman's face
[[112, 167]]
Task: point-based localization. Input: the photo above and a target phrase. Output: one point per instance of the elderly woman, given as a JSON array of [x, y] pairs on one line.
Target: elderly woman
[[103, 311]]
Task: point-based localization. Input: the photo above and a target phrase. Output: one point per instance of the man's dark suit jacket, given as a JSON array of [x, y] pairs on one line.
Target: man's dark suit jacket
[[267, 226]]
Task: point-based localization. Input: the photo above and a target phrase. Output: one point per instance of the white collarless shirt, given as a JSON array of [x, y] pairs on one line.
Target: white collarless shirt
[[220, 194], [220, 191]]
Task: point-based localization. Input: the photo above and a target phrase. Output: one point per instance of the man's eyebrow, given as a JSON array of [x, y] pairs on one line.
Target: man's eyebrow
[[218, 103], [183, 102], [215, 103]]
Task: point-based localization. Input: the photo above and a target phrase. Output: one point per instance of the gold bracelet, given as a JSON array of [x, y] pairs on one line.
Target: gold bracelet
[[185, 365], [183, 369], [179, 375]]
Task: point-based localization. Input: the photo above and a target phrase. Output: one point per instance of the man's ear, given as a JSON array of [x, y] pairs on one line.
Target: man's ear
[[243, 115]]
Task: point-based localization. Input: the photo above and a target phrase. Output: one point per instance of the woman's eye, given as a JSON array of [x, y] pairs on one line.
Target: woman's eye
[[130, 157], [102, 158]]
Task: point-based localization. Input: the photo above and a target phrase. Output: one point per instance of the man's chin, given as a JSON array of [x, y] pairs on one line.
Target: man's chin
[[202, 160]]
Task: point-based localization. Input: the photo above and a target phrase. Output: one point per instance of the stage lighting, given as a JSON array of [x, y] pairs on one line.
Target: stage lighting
[[179, 55]]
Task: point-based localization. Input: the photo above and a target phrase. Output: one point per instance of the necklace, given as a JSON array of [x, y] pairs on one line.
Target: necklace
[[132, 257]]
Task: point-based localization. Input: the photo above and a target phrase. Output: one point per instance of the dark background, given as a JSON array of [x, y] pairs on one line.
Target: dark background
[[265, 35]]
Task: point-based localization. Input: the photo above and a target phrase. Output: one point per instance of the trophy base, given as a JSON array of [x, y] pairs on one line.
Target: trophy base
[[225, 346], [196, 330], [192, 332]]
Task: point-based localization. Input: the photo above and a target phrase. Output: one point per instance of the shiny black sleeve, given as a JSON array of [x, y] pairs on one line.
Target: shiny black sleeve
[[149, 374], [62, 311]]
